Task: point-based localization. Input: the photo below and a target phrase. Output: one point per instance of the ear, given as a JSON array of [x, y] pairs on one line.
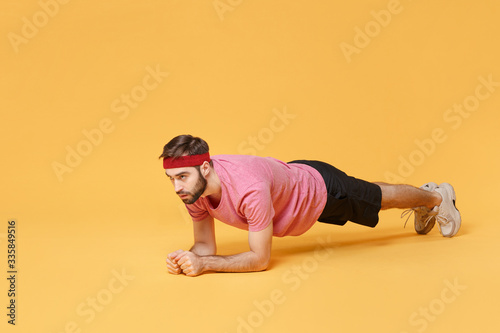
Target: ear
[[205, 169]]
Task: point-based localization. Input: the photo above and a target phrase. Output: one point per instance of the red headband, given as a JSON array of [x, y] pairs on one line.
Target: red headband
[[185, 161]]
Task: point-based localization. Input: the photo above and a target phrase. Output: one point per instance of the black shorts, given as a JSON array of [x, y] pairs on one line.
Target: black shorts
[[348, 198]]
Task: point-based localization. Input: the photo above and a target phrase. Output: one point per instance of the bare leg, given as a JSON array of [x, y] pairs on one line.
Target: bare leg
[[407, 196]]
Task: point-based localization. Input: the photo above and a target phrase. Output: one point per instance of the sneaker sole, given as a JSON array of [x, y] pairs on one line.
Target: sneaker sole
[[457, 218]]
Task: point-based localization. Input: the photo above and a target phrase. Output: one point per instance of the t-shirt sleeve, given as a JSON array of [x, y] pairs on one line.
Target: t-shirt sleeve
[[196, 211], [257, 206]]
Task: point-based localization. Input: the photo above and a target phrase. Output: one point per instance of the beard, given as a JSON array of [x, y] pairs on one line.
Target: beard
[[198, 190]]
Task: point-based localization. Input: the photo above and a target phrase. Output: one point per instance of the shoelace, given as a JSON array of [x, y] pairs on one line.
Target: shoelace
[[414, 210], [443, 220]]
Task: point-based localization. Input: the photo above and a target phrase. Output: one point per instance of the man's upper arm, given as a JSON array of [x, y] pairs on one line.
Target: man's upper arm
[[204, 231], [257, 206], [260, 243]]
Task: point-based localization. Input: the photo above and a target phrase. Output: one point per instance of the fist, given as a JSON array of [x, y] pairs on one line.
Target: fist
[[190, 263], [172, 266]]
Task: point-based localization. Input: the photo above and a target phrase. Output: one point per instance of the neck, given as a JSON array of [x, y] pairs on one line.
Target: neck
[[213, 185]]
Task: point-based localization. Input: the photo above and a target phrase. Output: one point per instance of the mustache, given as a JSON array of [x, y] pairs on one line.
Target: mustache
[[183, 193]]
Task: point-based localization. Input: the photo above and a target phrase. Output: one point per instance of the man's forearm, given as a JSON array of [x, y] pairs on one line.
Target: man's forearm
[[242, 262]]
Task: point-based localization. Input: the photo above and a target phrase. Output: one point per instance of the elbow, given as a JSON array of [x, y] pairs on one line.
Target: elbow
[[204, 249], [263, 264], [212, 250]]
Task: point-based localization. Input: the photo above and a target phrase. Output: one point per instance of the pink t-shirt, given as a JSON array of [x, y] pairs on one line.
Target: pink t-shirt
[[258, 190]]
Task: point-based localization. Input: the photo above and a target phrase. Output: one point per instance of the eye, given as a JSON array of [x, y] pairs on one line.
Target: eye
[[182, 177]]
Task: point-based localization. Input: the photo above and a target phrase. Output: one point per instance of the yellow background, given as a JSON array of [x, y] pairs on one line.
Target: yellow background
[[230, 71]]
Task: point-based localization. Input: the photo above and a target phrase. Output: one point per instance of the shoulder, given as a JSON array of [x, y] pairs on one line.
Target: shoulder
[[247, 163], [241, 175], [245, 169], [240, 159]]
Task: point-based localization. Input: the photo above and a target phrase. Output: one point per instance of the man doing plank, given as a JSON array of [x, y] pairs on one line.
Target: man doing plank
[[270, 198]]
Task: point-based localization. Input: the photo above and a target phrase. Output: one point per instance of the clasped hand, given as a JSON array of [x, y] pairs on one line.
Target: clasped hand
[[185, 262]]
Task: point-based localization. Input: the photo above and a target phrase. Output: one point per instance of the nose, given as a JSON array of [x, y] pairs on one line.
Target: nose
[[177, 186]]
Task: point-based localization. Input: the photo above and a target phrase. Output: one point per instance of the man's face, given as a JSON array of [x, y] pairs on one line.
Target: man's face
[[189, 183]]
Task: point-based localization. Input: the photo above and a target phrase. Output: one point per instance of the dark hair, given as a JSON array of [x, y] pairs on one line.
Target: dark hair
[[184, 145]]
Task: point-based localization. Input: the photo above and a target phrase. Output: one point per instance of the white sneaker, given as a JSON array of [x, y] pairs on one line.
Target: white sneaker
[[424, 217], [448, 215]]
